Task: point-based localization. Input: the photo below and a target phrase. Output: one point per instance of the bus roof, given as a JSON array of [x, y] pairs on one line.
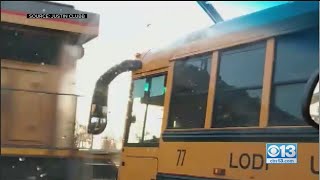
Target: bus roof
[[15, 12], [260, 25]]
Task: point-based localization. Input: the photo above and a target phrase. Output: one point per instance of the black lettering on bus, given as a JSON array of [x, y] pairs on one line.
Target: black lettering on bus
[[230, 162], [242, 162], [257, 161], [182, 154], [312, 166], [245, 161], [178, 160]]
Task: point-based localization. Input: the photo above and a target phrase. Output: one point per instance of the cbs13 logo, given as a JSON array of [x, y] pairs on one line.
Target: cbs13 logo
[[281, 150]]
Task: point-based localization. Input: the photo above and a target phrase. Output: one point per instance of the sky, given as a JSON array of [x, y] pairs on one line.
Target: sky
[[130, 27]]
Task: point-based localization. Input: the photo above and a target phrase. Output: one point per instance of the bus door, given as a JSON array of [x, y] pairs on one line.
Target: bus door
[[145, 113]]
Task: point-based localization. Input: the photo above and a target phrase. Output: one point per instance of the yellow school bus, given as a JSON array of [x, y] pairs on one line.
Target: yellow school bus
[[38, 93], [206, 106]]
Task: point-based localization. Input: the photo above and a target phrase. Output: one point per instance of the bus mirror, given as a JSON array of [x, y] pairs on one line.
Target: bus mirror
[[97, 125], [98, 116], [97, 121], [314, 105], [310, 105]]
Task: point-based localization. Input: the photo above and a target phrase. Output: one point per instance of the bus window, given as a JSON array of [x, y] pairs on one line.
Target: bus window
[[155, 110], [291, 72], [147, 110], [239, 86], [138, 111], [189, 92]]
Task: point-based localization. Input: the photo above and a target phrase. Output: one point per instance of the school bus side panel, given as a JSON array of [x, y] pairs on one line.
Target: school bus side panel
[[244, 160], [139, 163]]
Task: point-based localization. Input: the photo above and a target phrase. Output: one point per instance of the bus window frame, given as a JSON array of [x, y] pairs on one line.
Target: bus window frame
[[266, 85], [274, 83], [212, 86], [169, 86], [247, 47], [150, 75]]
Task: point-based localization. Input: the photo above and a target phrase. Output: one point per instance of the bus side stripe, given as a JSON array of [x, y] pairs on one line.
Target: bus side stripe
[[299, 134], [164, 176]]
